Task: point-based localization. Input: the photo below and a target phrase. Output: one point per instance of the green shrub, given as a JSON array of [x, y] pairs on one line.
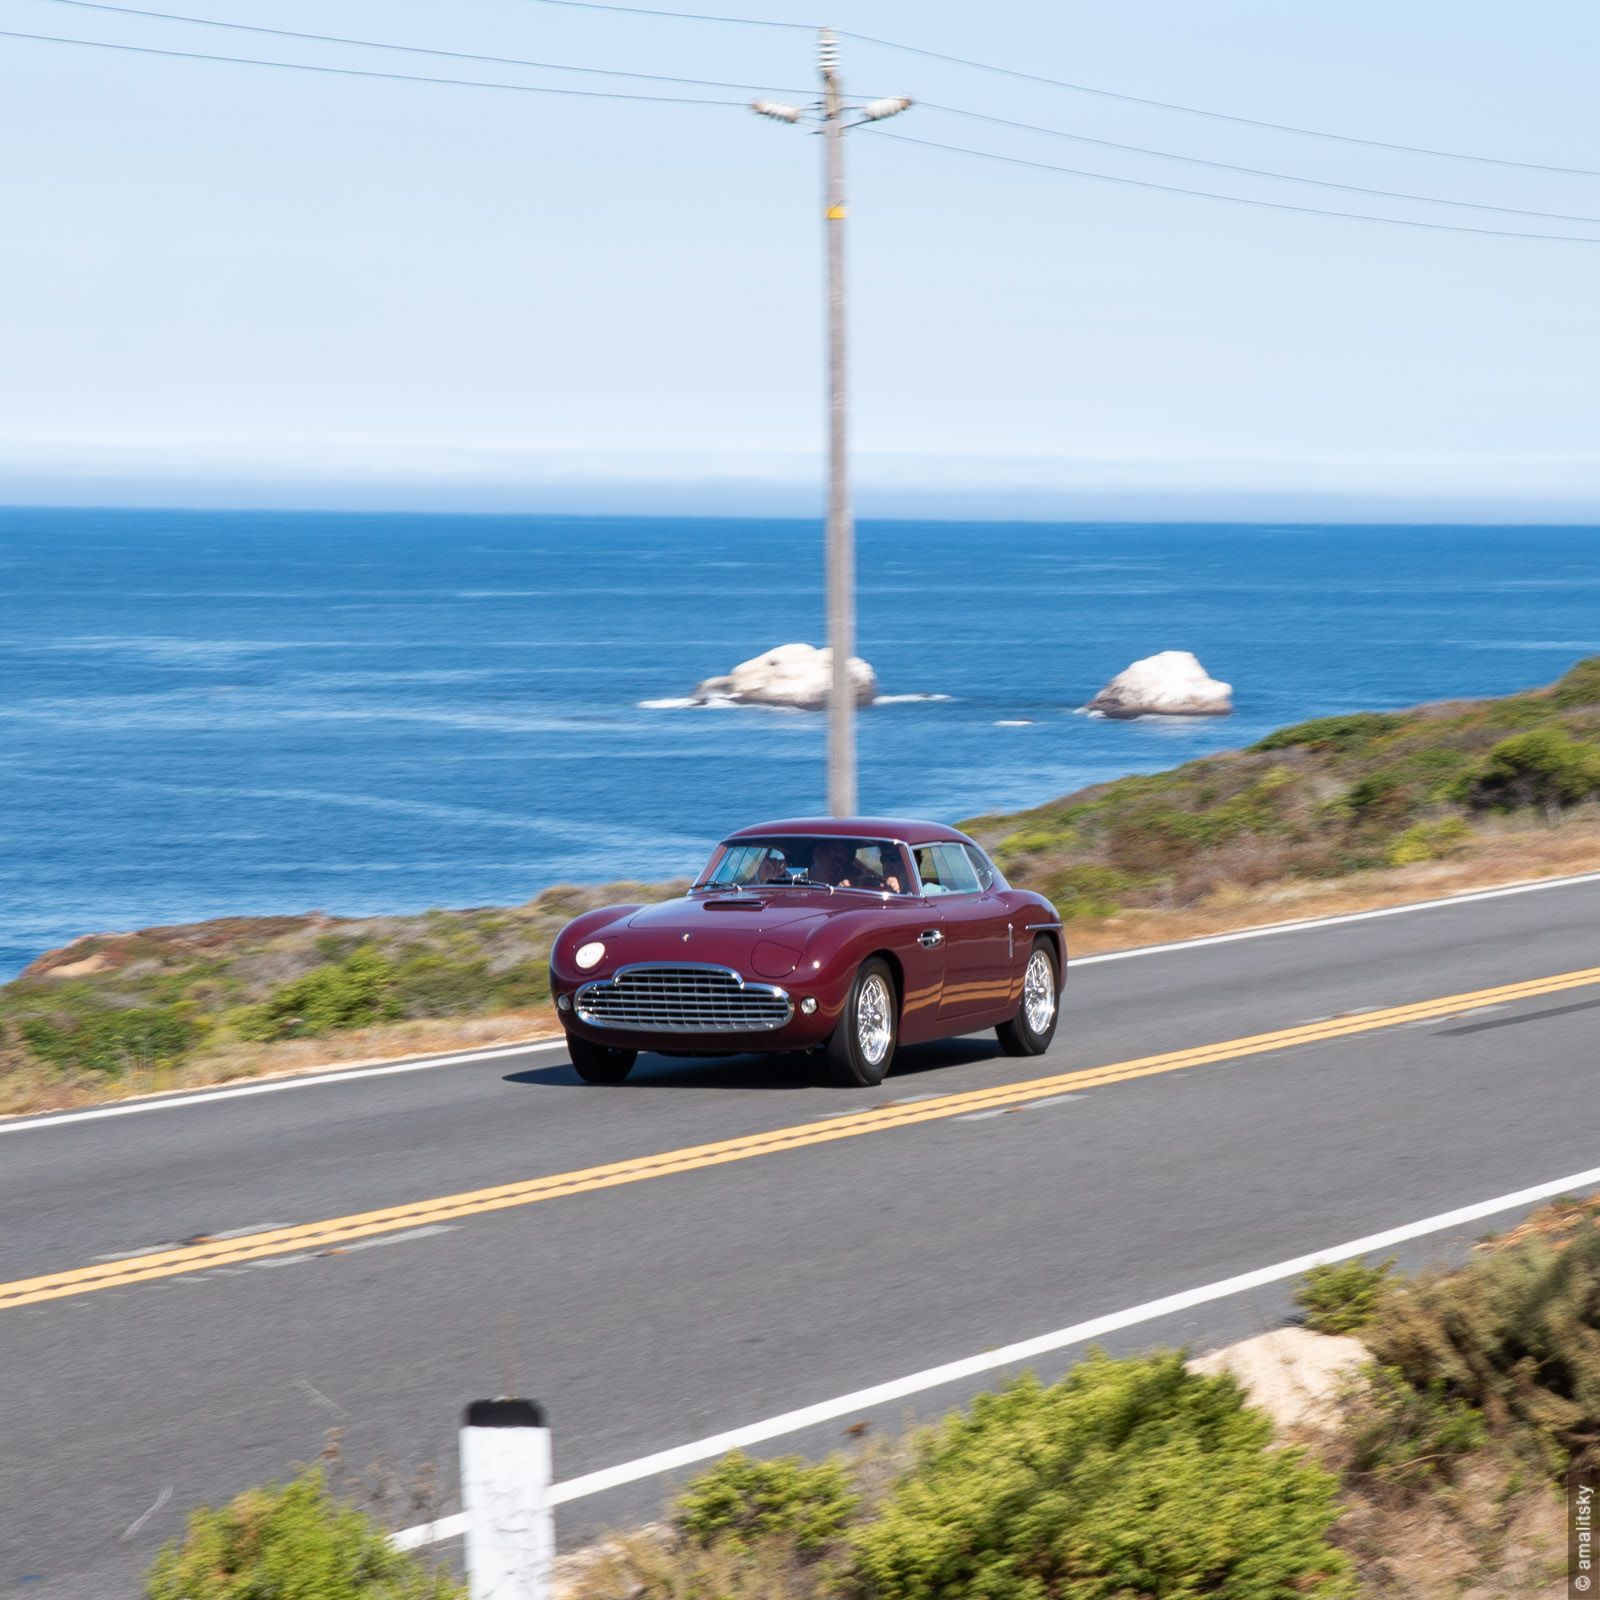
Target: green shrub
[[1406, 1435], [1340, 1296], [1332, 733], [1127, 1478], [1419, 778], [1427, 841], [426, 984], [291, 1541], [1088, 891], [742, 1501], [112, 1042], [1378, 792], [523, 986], [1546, 767], [1512, 715], [352, 993], [1039, 838], [1580, 687], [1515, 1334]]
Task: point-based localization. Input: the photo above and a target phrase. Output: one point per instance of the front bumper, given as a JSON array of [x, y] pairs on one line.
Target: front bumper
[[695, 1009]]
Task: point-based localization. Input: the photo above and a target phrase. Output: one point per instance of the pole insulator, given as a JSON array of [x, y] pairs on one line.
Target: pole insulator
[[877, 110]]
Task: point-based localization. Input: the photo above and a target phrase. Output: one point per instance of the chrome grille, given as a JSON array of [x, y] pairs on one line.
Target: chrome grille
[[682, 998]]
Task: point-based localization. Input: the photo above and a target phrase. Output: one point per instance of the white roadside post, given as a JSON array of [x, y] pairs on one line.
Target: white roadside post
[[505, 1489]]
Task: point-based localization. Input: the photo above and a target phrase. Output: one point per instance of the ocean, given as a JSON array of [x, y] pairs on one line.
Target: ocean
[[215, 713]]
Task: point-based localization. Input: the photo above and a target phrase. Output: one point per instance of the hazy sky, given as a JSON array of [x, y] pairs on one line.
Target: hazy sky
[[225, 284]]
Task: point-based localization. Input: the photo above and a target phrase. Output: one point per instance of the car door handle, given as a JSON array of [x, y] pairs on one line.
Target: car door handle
[[930, 938]]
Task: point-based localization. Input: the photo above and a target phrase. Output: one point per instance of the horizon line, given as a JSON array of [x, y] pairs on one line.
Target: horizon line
[[1297, 520]]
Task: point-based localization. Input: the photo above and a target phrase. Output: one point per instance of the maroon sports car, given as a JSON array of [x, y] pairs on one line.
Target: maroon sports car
[[848, 935]]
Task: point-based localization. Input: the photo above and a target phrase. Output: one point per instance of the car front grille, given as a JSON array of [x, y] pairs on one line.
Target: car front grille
[[682, 998]]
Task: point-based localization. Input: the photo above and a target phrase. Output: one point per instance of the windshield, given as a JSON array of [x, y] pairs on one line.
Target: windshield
[[842, 863]]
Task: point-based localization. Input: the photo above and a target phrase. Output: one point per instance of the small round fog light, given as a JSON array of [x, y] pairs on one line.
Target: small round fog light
[[808, 1005], [563, 1002]]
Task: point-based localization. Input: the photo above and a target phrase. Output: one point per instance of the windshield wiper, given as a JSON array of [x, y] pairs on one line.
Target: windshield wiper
[[753, 887]]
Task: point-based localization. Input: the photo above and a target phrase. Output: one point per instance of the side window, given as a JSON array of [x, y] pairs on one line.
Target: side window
[[982, 866], [896, 879], [945, 869]]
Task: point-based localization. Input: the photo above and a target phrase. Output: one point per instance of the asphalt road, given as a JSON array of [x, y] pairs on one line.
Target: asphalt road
[[682, 1303]]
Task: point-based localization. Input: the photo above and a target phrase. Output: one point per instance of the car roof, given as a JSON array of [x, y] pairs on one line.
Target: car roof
[[905, 829]]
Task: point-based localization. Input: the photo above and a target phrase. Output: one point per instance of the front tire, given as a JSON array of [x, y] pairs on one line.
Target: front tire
[[599, 1063], [1029, 1032], [862, 1046]]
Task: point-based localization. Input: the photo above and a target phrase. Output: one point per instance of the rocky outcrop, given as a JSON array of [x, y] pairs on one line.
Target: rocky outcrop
[[1171, 684], [1293, 1374], [797, 675]]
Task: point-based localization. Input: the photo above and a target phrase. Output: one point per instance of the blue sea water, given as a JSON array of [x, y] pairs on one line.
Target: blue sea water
[[205, 713]]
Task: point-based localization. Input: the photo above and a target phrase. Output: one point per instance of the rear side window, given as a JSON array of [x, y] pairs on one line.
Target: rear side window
[[946, 869]]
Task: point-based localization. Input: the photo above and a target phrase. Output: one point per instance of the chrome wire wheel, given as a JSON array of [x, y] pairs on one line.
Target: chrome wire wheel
[[874, 1019], [1039, 992]]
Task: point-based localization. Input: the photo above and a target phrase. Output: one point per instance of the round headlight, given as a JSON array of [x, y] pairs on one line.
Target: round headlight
[[590, 955]]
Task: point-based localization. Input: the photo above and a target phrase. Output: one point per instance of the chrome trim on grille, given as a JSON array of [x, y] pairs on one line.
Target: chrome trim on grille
[[682, 997]]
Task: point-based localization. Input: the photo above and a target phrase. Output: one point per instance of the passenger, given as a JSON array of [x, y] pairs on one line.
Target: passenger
[[835, 861]]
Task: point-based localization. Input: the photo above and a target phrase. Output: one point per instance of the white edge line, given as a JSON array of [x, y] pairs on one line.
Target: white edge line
[[860, 1400], [1307, 924], [129, 1108]]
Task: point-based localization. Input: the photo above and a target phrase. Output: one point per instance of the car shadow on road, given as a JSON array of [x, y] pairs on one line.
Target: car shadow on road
[[771, 1072]]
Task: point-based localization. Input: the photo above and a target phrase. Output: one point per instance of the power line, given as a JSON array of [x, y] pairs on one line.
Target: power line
[[408, 49], [1060, 133], [367, 72], [1231, 166], [680, 16], [714, 83], [1200, 111], [1232, 199], [1086, 88]]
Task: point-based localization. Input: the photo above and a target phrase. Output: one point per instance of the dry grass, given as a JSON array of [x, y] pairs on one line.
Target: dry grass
[[28, 1087], [1493, 1535], [1491, 859]]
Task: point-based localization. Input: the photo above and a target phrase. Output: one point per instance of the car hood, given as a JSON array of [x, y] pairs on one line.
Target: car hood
[[789, 915]]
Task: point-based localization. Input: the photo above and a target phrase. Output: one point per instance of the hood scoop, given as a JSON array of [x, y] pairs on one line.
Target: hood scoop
[[734, 902]]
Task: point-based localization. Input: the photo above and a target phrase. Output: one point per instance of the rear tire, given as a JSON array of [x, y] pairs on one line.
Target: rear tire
[[599, 1063], [862, 1046], [1029, 1032]]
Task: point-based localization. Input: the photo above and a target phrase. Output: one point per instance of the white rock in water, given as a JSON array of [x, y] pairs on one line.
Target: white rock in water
[[798, 675], [1171, 684]]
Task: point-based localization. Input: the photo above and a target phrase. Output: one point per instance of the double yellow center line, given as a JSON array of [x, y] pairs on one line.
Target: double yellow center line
[[335, 1231]]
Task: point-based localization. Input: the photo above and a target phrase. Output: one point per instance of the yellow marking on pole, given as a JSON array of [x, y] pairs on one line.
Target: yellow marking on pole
[[836, 213], [694, 1158]]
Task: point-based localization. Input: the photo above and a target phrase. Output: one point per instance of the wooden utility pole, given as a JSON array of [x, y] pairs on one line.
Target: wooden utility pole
[[841, 535], [840, 542]]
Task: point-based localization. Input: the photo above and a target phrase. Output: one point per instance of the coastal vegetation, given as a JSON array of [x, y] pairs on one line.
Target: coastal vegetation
[[1328, 815], [292, 1541], [1319, 801], [161, 1007], [1432, 1469]]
